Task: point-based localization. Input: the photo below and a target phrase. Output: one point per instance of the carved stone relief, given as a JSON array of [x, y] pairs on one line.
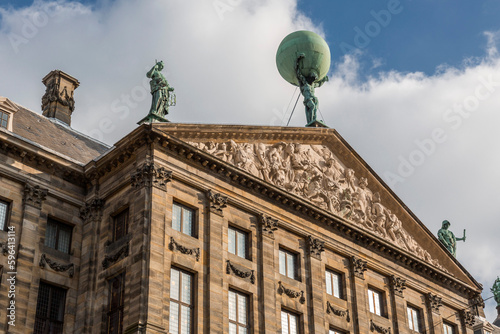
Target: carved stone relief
[[358, 267], [269, 225], [340, 313], [231, 268], [34, 195], [44, 260], [314, 173], [468, 318], [149, 174], [118, 255], [316, 247], [174, 245], [376, 328], [92, 209], [398, 284], [435, 302], [217, 202], [291, 293]]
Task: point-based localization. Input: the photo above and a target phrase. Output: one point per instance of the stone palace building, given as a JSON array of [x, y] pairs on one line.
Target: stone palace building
[[182, 228]]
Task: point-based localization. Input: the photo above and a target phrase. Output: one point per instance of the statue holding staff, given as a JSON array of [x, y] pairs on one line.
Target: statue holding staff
[[448, 239], [160, 90]]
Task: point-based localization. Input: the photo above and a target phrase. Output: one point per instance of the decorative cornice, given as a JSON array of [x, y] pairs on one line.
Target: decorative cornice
[[120, 254], [382, 330], [230, 268], [217, 202], [291, 293], [148, 174], [316, 246], [57, 266], [341, 313], [358, 267], [434, 301], [92, 210], [173, 245], [398, 284], [269, 225], [34, 195], [468, 318]]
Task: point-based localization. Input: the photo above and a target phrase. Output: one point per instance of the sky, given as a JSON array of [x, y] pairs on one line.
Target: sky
[[414, 85]]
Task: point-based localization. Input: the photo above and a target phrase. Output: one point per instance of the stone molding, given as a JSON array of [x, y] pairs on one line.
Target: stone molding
[[358, 267], [316, 246], [382, 330], [269, 225], [217, 202], [44, 260], [92, 210], [175, 246], [338, 312], [34, 195], [468, 318], [291, 293], [231, 268], [118, 255], [398, 284], [148, 174], [435, 302]]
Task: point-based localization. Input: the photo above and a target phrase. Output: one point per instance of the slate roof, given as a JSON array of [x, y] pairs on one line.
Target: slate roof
[[56, 136]]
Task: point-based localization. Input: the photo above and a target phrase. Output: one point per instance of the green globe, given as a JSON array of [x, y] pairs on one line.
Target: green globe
[[315, 49]]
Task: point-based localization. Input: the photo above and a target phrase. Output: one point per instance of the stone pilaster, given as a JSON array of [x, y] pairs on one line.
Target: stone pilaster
[[398, 285], [361, 320], [316, 284], [433, 305], [467, 319]]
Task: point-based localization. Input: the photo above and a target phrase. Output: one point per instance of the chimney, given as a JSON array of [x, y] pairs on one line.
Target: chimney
[[58, 102]]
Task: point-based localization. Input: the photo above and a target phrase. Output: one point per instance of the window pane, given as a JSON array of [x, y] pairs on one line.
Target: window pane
[[187, 221], [410, 318], [174, 318], [50, 234], [242, 309], [3, 214], [282, 263], [290, 265], [232, 328], [185, 320], [370, 301], [241, 244], [232, 241], [174, 284], [243, 330], [284, 322], [336, 285], [186, 288], [293, 324], [232, 306], [64, 239], [376, 298], [328, 280], [176, 217], [415, 320]]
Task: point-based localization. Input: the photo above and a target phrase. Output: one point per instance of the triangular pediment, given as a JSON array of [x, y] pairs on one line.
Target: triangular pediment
[[8, 106], [317, 165]]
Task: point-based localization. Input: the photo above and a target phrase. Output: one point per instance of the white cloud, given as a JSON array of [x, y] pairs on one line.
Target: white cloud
[[224, 71]]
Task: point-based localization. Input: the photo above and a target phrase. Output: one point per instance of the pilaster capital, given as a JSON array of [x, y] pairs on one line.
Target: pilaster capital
[[34, 195], [217, 202]]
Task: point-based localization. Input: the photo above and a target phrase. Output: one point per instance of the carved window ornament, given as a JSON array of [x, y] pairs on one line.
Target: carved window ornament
[[468, 318], [398, 284], [120, 254], [358, 267], [316, 247], [148, 174], [175, 246], [291, 293], [44, 260], [435, 302], [230, 268], [269, 225], [34, 195], [92, 210], [379, 329], [338, 312], [217, 202]]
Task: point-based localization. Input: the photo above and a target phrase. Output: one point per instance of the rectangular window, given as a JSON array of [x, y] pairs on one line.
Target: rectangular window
[[4, 212], [413, 318], [375, 301], [288, 264], [237, 242], [181, 302], [120, 225], [183, 219], [333, 283], [49, 316], [238, 313], [116, 287], [289, 323], [58, 235], [448, 329], [4, 120]]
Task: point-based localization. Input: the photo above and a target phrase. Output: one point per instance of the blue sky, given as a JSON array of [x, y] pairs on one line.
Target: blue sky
[[434, 68]]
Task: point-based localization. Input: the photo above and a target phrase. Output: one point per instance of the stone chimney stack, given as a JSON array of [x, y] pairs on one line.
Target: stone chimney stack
[[58, 102]]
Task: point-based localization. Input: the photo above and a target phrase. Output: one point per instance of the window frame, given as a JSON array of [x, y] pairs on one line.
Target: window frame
[[115, 221], [295, 257], [415, 311], [193, 211], [47, 319], [340, 281], [6, 121], [239, 294], [381, 301], [6, 221], [246, 238], [121, 306], [451, 326], [290, 314], [180, 303], [58, 225]]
